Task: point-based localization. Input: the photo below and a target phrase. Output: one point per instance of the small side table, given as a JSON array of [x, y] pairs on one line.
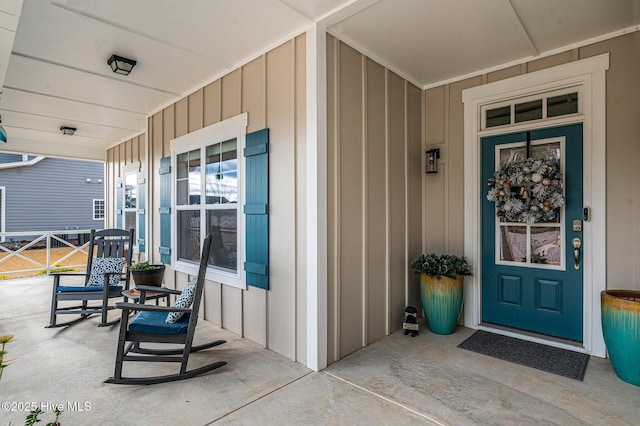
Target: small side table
[[134, 295]]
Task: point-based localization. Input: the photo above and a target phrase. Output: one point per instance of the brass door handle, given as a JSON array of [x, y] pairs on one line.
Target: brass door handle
[[577, 243]]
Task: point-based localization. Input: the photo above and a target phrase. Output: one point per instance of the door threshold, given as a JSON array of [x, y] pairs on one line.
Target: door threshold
[[556, 342]]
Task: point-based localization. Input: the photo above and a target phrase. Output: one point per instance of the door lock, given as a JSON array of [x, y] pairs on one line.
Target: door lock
[[577, 243]]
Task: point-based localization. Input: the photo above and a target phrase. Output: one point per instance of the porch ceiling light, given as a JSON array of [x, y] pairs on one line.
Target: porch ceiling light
[[68, 130], [121, 65]]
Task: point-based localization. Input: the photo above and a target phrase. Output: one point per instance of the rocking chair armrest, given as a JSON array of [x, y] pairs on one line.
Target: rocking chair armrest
[[68, 274], [156, 289], [57, 275], [151, 308]]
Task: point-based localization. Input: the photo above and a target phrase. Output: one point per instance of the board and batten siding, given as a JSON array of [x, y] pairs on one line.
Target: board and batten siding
[[52, 194], [443, 122], [374, 198], [271, 89]]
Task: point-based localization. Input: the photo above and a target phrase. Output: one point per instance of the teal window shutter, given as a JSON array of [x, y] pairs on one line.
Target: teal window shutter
[[165, 210], [142, 204], [119, 197], [256, 209]]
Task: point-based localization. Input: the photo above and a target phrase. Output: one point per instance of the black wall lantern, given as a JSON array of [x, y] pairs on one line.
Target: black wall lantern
[[432, 160], [121, 65]]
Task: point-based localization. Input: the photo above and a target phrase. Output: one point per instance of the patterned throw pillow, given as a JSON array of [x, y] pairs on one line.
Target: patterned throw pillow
[[185, 300], [102, 265]]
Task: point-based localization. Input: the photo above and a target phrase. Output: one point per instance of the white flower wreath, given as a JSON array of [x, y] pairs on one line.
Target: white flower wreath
[[528, 191]]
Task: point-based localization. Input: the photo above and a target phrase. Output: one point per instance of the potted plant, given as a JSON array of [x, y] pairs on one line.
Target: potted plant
[[144, 273], [441, 289]]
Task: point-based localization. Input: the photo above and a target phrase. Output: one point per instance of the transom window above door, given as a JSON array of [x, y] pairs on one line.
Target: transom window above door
[[559, 103]]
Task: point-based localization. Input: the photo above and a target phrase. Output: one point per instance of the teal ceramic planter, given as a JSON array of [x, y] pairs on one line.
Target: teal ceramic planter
[[621, 330], [441, 302]]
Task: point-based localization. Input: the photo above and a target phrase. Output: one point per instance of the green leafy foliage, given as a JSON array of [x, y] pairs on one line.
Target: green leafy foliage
[[142, 266], [3, 341], [32, 417], [444, 265]]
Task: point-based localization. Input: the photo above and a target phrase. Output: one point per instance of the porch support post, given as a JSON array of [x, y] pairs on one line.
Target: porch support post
[[316, 186]]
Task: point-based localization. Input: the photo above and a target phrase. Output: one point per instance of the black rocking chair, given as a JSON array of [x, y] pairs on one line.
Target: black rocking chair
[[150, 326], [108, 255]]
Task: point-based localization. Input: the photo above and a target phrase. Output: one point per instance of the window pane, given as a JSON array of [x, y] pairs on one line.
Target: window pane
[[182, 161], [188, 178], [221, 173], [223, 226], [182, 192], [562, 105], [545, 245], [513, 243], [194, 177], [546, 151], [129, 220], [510, 155], [189, 235], [529, 111], [498, 116], [130, 191]]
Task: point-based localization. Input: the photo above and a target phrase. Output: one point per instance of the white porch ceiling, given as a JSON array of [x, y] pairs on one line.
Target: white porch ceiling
[[53, 53]]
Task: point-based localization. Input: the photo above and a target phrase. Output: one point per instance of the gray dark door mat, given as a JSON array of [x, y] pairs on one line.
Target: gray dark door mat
[[535, 355]]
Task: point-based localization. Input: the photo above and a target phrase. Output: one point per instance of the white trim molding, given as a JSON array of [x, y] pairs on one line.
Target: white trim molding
[[316, 187], [590, 76], [23, 163]]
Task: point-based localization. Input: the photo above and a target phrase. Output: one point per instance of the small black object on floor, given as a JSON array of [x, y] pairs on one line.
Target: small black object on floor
[[535, 355]]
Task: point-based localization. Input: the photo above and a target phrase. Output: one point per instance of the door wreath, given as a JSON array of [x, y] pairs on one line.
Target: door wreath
[[529, 191]]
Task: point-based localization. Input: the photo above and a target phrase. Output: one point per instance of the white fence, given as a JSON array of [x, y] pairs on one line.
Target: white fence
[[22, 245]]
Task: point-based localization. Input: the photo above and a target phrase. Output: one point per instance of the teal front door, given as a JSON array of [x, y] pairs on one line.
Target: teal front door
[[532, 275]]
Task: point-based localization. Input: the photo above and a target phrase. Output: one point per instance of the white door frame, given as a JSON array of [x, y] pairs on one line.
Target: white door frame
[[590, 75]]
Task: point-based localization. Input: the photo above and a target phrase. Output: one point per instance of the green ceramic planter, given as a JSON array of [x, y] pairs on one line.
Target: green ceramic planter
[[621, 330], [441, 302]]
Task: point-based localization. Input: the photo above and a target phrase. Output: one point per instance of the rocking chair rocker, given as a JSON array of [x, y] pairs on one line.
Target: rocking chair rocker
[[150, 326]]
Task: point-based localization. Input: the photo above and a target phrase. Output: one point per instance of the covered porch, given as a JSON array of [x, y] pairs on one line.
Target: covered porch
[[350, 117], [396, 380]]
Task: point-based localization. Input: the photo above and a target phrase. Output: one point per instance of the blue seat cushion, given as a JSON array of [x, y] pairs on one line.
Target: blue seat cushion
[[91, 288], [155, 322]]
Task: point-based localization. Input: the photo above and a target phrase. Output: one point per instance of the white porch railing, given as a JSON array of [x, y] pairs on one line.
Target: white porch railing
[[23, 246]]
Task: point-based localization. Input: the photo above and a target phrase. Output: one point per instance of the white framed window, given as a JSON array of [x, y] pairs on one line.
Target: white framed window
[[98, 209], [207, 194], [129, 194]]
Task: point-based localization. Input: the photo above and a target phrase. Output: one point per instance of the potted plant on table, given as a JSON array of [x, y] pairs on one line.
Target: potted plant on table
[[441, 289], [144, 273]]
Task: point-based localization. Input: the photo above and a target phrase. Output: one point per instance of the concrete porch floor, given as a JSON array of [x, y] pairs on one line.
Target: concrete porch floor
[[398, 380]]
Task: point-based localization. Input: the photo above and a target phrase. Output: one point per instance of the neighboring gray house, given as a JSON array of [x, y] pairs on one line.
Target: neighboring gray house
[[44, 194]]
